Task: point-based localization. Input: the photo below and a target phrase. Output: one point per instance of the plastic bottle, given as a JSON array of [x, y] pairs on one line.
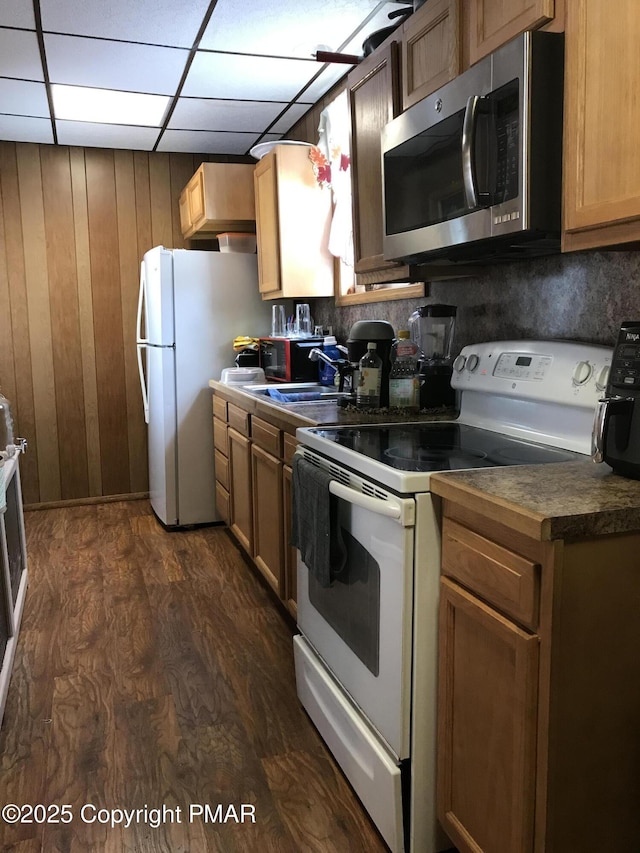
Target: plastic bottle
[[404, 379], [369, 379], [326, 373]]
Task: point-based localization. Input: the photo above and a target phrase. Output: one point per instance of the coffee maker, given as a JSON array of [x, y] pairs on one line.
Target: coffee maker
[[432, 327], [616, 428]]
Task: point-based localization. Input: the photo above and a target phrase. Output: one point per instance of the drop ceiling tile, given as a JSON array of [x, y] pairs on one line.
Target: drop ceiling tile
[[25, 129], [165, 22], [206, 142], [114, 65], [257, 78], [284, 29], [16, 13], [94, 135], [212, 114], [23, 98], [288, 119], [324, 81], [19, 55]]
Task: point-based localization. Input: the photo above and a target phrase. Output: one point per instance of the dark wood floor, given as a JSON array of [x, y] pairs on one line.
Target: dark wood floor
[[154, 669]]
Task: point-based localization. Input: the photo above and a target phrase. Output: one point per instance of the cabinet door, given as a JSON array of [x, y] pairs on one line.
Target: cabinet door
[[241, 509], [488, 24], [290, 553], [602, 125], [268, 524], [487, 708], [265, 179], [374, 98], [430, 49]]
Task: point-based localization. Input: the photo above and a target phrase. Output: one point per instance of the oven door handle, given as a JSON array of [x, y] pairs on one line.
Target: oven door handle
[[389, 508]]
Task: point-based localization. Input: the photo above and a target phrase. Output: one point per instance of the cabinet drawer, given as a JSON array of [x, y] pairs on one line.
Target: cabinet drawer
[[239, 419], [220, 438], [290, 444], [504, 579], [266, 436], [222, 503], [220, 408], [221, 469]]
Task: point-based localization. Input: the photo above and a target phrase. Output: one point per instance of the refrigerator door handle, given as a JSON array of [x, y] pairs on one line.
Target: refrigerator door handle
[[143, 383], [142, 307]]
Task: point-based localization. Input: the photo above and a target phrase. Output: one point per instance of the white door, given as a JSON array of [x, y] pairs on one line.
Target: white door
[[216, 298], [161, 384], [157, 297], [361, 624]]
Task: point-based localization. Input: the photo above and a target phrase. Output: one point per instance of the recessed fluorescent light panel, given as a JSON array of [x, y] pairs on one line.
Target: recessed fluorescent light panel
[[78, 103]]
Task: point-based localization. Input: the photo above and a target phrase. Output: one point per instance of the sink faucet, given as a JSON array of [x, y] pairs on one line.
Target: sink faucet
[[342, 365]]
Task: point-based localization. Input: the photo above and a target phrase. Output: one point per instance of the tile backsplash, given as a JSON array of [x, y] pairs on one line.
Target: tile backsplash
[[581, 296]]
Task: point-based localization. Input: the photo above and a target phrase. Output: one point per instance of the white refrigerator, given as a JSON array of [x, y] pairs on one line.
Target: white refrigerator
[[191, 305]]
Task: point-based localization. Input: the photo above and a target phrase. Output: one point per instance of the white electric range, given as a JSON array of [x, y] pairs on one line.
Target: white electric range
[[366, 656]]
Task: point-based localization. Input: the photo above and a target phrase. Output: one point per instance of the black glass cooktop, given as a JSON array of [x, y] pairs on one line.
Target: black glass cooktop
[[441, 446]]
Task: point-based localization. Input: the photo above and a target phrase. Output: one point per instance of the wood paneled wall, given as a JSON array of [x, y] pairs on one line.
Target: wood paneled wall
[[74, 224]]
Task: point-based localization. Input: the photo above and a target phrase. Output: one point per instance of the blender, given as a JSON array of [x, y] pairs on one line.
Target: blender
[[431, 327]]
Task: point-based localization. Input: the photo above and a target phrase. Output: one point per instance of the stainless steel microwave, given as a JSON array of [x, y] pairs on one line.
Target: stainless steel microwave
[[473, 171]]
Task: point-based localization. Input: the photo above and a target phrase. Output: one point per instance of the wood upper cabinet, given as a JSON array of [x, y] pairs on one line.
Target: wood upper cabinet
[[374, 99], [293, 217], [218, 198], [602, 125], [431, 49], [488, 24]]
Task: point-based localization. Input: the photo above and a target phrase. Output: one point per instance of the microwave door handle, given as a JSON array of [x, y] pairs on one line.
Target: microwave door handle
[[468, 140]]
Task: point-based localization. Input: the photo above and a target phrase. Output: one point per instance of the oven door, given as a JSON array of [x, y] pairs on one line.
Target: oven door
[[360, 625]]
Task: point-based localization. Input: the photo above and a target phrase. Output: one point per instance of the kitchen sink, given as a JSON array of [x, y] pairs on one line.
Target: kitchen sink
[[297, 392]]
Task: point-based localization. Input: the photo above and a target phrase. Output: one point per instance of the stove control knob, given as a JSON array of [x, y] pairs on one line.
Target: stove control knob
[[472, 362], [459, 363], [582, 372], [602, 378]]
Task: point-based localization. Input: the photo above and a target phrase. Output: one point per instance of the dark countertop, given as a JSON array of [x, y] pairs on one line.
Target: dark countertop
[[290, 416], [555, 501], [567, 500]]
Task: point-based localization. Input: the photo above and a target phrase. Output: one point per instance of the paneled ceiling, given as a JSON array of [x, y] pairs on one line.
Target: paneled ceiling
[[236, 72]]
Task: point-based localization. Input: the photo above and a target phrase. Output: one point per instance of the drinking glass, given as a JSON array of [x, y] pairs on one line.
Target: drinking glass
[[303, 319], [278, 321]]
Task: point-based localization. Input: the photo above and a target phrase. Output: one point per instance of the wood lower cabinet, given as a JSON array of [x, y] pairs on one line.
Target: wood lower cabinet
[[602, 123], [221, 459], [240, 489], [487, 725], [539, 685], [290, 553], [431, 49], [219, 197], [253, 481], [268, 519]]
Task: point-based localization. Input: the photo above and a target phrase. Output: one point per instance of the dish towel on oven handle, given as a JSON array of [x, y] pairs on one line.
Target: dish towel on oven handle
[[315, 526]]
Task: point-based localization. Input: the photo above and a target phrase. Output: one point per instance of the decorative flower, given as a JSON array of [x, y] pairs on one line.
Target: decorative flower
[[321, 166]]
